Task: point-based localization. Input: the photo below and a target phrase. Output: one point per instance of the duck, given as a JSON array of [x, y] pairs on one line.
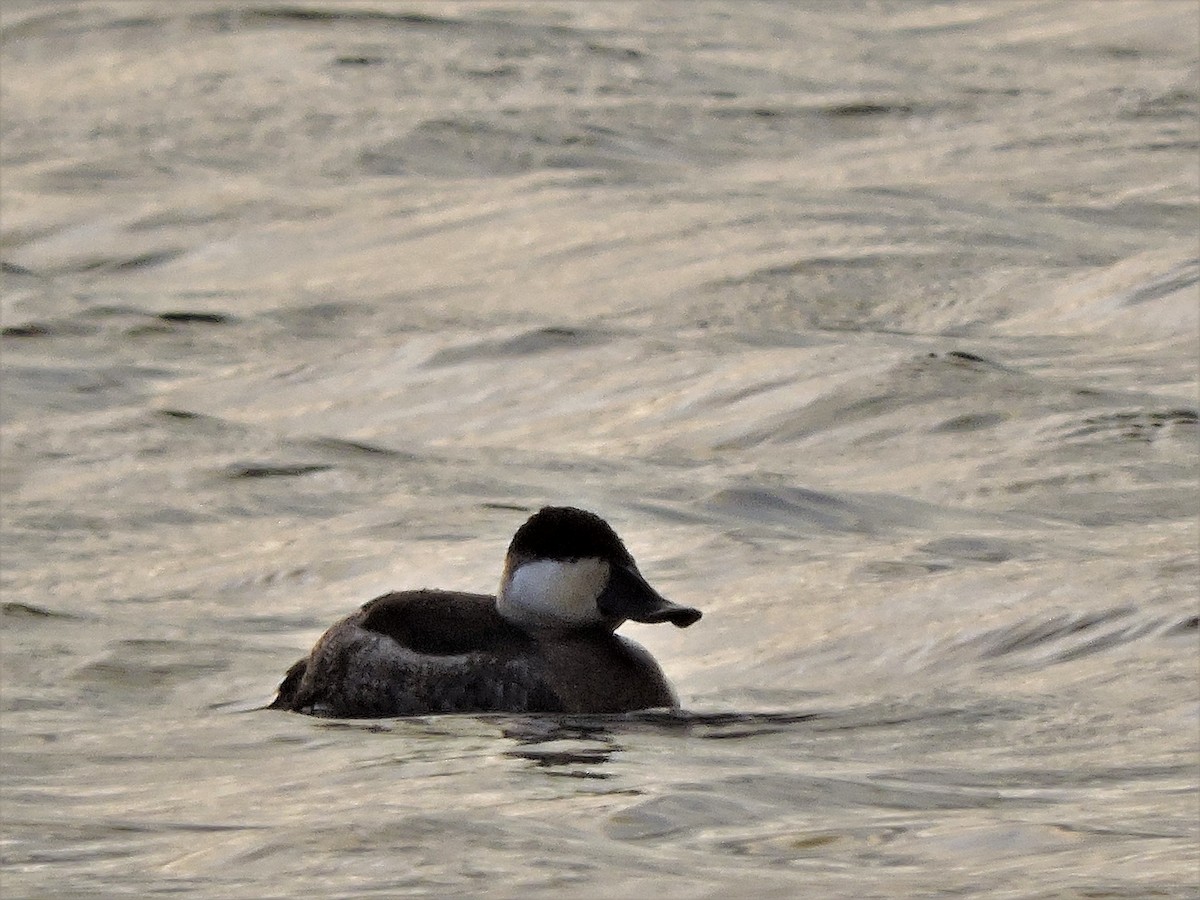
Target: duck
[[545, 643]]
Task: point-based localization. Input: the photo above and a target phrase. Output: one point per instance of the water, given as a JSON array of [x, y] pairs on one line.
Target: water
[[873, 330]]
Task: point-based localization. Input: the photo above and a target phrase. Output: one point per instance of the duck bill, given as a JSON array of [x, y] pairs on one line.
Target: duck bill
[[628, 596]]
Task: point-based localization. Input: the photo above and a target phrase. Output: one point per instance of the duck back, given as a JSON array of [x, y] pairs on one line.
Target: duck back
[[422, 652], [419, 652]]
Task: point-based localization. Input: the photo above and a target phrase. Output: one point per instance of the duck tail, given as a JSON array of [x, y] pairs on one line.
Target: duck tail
[[290, 686]]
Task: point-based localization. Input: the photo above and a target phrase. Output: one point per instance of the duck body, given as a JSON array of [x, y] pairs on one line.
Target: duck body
[[544, 644]]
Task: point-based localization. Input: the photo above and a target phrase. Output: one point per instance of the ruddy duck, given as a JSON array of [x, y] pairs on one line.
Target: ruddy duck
[[545, 643]]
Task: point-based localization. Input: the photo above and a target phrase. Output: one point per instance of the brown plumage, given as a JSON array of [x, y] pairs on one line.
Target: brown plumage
[[432, 651]]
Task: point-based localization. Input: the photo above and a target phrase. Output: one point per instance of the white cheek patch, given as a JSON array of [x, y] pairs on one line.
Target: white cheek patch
[[554, 592]]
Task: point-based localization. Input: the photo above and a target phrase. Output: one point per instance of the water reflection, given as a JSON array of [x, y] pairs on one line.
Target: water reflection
[[576, 746], [564, 748]]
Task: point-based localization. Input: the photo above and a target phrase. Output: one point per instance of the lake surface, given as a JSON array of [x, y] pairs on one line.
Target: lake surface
[[872, 328]]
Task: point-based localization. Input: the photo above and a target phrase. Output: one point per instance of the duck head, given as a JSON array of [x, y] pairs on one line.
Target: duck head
[[567, 569]]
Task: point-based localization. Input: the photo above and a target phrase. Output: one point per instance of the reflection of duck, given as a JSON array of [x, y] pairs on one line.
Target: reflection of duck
[[544, 644]]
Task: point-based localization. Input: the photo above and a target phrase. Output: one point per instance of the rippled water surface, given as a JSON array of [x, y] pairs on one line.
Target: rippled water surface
[[871, 327]]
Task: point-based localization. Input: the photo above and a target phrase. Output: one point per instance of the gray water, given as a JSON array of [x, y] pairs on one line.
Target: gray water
[[872, 328]]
